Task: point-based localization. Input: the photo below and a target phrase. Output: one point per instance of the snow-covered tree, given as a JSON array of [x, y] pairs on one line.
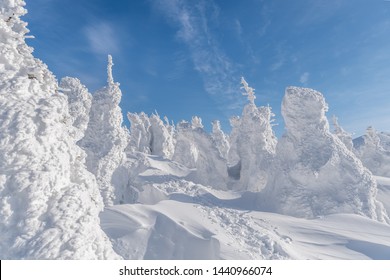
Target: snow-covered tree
[[233, 157], [151, 135], [105, 139], [186, 152], [253, 143], [220, 139], [344, 136], [162, 137], [79, 100], [314, 173], [195, 149], [196, 122], [49, 202], [248, 91], [140, 137], [374, 152]]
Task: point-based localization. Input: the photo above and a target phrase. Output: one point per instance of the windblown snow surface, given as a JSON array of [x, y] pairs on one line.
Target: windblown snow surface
[[76, 184], [179, 219]]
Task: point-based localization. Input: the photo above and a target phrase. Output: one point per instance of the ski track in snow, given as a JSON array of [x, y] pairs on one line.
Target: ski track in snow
[[237, 226]]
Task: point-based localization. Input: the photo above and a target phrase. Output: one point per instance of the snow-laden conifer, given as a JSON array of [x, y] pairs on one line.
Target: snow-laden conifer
[[344, 136], [105, 139], [195, 149], [220, 139], [49, 202], [374, 151], [151, 135], [314, 173], [79, 100], [252, 144]]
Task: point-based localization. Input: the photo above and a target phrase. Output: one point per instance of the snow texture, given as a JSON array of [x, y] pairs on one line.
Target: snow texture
[[49, 202], [178, 219], [79, 100], [314, 173]]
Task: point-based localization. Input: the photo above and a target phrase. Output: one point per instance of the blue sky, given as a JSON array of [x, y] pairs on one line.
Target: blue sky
[[185, 58]]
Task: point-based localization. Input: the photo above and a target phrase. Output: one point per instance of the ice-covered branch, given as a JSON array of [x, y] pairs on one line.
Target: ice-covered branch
[[110, 79], [250, 92]]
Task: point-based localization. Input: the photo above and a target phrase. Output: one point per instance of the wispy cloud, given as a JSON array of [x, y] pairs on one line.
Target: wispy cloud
[[280, 57], [238, 27], [265, 20], [102, 38], [193, 22], [304, 78], [276, 65]]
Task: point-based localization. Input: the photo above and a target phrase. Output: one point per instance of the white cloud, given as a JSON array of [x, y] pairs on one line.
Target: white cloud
[[304, 77], [101, 38]]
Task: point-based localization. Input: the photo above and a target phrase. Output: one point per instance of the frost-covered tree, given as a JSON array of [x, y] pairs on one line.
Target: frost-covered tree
[[186, 151], [105, 139], [49, 202], [314, 173], [79, 100], [195, 149], [196, 122], [140, 137], [253, 143], [162, 137], [151, 135], [233, 157], [248, 91], [374, 152], [220, 139], [344, 136]]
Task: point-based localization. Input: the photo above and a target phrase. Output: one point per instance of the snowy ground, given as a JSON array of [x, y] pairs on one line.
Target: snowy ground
[[183, 220]]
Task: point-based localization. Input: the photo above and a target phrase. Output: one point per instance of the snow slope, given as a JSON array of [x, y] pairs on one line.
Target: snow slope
[[179, 219], [185, 220]]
